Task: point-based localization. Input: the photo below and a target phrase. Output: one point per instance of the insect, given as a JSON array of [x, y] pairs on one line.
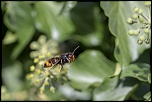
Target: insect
[[61, 60]]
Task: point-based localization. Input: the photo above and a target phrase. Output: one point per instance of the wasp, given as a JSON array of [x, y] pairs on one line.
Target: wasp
[[61, 60]]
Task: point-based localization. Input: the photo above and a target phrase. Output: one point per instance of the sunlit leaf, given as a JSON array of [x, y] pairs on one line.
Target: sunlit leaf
[[92, 39], [112, 94], [149, 78], [147, 96], [127, 49], [18, 18], [66, 89], [67, 6], [139, 71], [49, 21], [9, 38], [108, 84], [90, 67], [11, 76], [89, 29], [117, 70]]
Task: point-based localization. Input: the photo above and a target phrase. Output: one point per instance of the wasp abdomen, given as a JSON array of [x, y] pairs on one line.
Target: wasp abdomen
[[51, 62]]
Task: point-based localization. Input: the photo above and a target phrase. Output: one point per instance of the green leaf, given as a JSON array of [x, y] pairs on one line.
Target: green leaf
[[48, 20], [107, 84], [66, 89], [117, 70], [111, 93], [89, 68], [11, 76], [92, 39], [18, 19], [147, 96], [149, 78], [139, 71], [3, 6], [67, 6], [89, 30], [9, 38], [127, 49]]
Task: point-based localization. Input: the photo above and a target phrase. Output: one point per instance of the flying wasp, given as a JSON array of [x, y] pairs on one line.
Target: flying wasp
[[61, 60]]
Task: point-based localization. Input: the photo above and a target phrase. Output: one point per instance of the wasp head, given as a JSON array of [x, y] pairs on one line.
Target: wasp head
[[71, 55]]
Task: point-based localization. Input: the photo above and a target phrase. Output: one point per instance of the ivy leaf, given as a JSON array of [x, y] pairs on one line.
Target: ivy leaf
[[9, 38], [126, 49], [112, 94], [67, 6], [11, 76], [49, 21], [89, 68], [149, 78], [139, 71], [147, 96], [19, 20], [89, 30], [117, 70]]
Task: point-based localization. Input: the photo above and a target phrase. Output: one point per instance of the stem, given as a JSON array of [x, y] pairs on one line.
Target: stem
[[63, 8], [149, 9], [144, 17], [147, 36], [149, 12]]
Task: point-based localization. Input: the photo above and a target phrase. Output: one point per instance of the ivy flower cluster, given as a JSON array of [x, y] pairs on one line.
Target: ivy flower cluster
[[43, 50], [145, 20], [5, 95]]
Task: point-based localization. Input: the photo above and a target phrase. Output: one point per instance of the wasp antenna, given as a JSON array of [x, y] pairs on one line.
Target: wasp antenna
[[75, 49]]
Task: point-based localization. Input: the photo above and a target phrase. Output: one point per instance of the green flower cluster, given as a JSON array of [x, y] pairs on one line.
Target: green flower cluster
[[139, 16], [40, 76], [5, 95]]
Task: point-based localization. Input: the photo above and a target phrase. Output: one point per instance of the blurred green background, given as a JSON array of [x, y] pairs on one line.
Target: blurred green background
[[110, 65]]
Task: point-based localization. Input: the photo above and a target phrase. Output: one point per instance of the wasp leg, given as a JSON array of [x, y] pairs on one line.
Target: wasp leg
[[60, 68], [53, 65], [69, 61]]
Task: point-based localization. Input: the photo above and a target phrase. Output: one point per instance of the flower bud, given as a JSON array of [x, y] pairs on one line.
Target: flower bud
[[37, 80], [147, 3], [41, 63], [130, 32], [32, 68], [146, 31], [142, 37], [134, 16], [129, 20], [139, 42], [136, 32], [135, 9], [42, 89], [34, 45], [147, 41], [36, 60], [140, 11], [46, 83], [48, 54], [141, 19], [52, 89], [38, 71], [31, 76], [42, 39], [47, 74]]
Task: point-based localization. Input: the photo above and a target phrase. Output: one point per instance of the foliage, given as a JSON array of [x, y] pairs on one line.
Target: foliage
[[109, 64]]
